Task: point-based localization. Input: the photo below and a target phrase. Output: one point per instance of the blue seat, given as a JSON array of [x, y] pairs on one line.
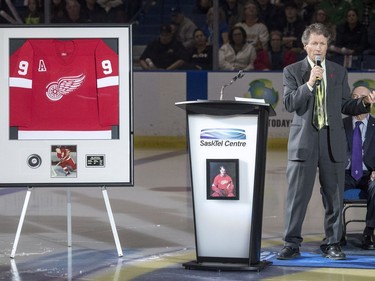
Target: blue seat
[[353, 198]]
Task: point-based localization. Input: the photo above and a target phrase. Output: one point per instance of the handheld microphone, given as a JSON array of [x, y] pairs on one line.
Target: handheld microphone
[[318, 63], [239, 75]]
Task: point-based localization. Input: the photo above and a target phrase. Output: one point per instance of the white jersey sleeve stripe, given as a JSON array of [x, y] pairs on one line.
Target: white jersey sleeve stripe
[[65, 135], [20, 82], [107, 82]]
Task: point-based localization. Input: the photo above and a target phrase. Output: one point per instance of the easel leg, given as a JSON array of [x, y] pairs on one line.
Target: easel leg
[[15, 274], [70, 271], [69, 216], [20, 223], [112, 221]]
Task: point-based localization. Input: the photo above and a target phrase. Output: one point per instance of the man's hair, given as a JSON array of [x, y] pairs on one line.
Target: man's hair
[[316, 28]]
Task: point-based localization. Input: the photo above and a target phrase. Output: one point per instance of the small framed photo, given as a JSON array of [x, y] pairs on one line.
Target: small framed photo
[[222, 179], [63, 161]]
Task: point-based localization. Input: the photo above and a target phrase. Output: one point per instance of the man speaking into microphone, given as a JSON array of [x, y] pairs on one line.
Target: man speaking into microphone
[[317, 92]]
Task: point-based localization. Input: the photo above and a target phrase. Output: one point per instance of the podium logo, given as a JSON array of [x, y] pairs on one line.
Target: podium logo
[[223, 137]]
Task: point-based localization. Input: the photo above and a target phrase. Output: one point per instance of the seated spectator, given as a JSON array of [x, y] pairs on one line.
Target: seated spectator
[[351, 38], [336, 9], [277, 57], [270, 14], [115, 10], [351, 34], [364, 177], [233, 11], [292, 28], [237, 54], [166, 52], [58, 11], [73, 11], [200, 56], [366, 11], [223, 27], [255, 30], [184, 27], [320, 16], [92, 12], [34, 13]]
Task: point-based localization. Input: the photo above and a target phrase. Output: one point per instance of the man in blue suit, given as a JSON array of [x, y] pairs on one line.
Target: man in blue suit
[[312, 145], [365, 181]]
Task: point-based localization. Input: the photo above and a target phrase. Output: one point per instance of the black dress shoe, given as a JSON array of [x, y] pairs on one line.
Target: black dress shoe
[[288, 253], [333, 252], [367, 242]]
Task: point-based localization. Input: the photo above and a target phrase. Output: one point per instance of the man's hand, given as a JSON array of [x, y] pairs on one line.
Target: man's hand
[[315, 74], [370, 98]]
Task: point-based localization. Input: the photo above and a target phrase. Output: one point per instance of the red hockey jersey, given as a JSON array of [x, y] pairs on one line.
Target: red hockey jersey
[[64, 89]]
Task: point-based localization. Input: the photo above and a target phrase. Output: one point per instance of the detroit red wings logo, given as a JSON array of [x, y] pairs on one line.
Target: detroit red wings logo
[[64, 86]]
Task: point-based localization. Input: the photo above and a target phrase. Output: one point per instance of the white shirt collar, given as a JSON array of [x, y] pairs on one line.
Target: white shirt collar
[[364, 121]]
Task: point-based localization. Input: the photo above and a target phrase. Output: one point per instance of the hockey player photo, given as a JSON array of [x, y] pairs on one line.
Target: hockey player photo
[[63, 161], [222, 179]]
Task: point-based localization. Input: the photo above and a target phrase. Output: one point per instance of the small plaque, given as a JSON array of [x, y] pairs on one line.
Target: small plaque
[[95, 161]]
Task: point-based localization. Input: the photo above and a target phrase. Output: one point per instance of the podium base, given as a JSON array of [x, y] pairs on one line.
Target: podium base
[[226, 266]]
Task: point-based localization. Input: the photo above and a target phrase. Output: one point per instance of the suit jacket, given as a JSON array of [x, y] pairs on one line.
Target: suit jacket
[[368, 145], [300, 100]]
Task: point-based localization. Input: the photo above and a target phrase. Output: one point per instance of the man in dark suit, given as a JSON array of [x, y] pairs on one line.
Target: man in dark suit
[[365, 180], [315, 144]]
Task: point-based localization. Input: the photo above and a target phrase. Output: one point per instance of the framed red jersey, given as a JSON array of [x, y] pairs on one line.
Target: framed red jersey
[[66, 87]]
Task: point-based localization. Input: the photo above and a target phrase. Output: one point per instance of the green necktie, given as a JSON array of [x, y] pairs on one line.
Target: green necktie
[[319, 106]]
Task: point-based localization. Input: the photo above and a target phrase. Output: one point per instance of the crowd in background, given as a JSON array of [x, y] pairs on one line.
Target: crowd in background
[[263, 35], [73, 11], [252, 34]]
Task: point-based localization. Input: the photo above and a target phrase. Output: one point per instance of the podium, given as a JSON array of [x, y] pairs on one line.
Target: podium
[[229, 135]]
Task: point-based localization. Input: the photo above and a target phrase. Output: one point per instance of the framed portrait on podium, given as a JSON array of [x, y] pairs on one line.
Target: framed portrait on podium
[[223, 179], [66, 105]]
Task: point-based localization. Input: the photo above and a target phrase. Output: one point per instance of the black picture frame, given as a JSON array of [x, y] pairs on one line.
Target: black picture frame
[[213, 167]]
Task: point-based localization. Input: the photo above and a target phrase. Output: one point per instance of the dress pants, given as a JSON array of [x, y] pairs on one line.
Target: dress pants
[[301, 177]]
